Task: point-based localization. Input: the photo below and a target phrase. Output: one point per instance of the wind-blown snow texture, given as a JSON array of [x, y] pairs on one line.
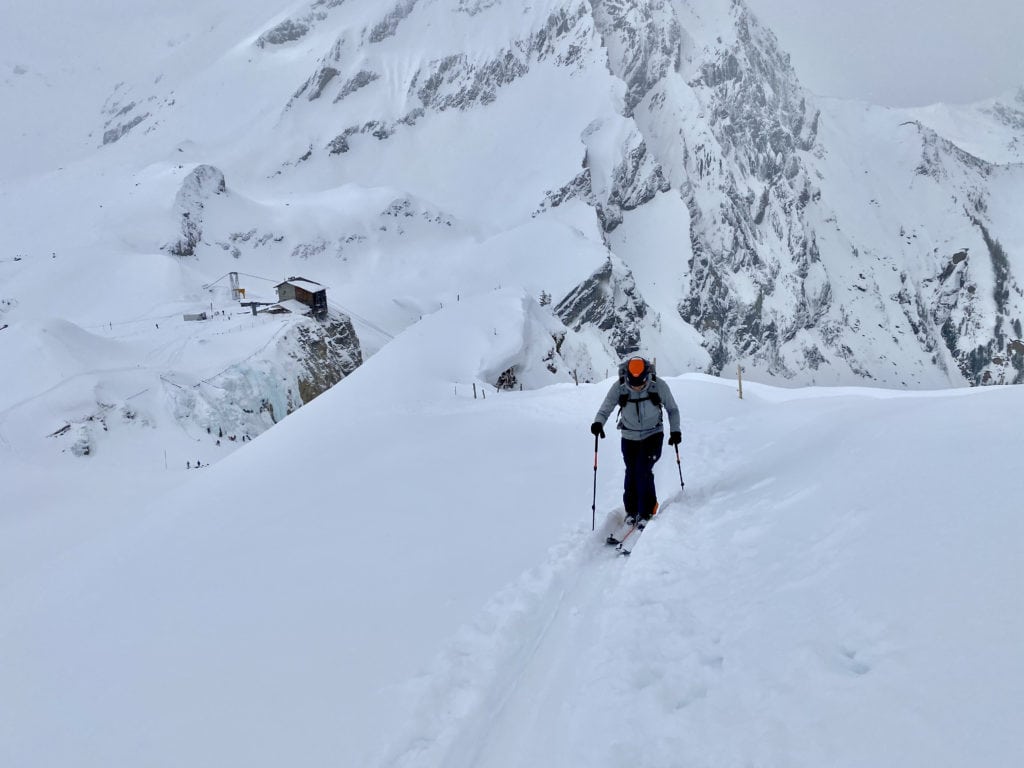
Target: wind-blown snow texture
[[398, 574]]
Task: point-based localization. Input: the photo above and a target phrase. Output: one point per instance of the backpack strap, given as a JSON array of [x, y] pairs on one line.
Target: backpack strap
[[652, 395]]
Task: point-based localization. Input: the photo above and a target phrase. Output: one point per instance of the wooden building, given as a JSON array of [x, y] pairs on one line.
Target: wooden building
[[307, 292]]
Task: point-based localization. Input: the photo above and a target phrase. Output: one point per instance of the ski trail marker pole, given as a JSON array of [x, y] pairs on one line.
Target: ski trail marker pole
[[593, 507], [682, 485]]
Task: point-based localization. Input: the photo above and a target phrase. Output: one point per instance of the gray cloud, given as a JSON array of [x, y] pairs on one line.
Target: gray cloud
[[901, 52]]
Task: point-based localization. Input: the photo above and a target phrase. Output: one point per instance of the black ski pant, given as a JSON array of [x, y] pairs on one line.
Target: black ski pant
[[639, 496]]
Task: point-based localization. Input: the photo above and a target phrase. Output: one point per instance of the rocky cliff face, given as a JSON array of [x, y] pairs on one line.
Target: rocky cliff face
[[757, 280], [770, 283], [201, 184], [247, 398], [736, 166], [609, 301], [325, 354], [234, 405], [452, 80], [634, 179]]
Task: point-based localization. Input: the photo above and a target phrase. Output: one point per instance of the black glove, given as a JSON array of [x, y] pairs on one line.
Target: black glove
[[597, 428], [675, 438]]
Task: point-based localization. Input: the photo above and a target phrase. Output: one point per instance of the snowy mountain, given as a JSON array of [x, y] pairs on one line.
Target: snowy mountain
[[654, 169], [700, 204], [686, 134], [500, 200]]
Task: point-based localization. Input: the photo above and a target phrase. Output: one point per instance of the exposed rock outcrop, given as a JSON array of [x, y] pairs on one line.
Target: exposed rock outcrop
[[609, 301], [196, 190]]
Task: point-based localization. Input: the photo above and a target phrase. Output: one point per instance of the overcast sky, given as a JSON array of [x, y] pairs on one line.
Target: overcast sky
[[902, 52]]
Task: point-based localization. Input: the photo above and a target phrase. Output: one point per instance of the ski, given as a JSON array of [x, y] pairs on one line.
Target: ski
[[629, 541], [619, 534], [625, 537]]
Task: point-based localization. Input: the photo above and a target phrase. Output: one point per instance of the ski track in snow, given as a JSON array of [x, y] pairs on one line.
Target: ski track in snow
[[482, 691], [501, 693], [628, 637], [498, 695]]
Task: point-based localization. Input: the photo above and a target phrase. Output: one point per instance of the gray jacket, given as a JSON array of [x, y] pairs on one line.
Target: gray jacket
[[640, 418]]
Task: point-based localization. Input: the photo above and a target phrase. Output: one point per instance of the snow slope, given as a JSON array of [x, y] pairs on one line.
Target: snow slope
[[401, 575]]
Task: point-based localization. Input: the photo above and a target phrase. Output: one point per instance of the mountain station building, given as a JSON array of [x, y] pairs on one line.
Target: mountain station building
[[310, 294]]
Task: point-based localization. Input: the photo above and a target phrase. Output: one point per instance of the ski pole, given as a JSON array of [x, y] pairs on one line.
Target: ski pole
[[593, 507], [682, 485]]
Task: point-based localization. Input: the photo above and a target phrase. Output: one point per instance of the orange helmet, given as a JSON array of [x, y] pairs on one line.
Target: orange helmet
[[637, 371]]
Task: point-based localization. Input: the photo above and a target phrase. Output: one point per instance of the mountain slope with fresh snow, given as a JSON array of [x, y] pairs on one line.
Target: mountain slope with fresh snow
[[399, 574], [402, 572], [655, 168], [655, 172]]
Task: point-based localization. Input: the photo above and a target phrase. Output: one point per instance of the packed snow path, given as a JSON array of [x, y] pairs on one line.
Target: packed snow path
[[774, 614], [503, 683]]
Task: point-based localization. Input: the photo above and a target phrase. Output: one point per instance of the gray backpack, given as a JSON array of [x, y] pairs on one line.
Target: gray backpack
[[624, 391]]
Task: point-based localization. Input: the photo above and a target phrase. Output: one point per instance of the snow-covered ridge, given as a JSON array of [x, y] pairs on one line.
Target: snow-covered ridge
[[993, 130], [418, 583], [402, 572]]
